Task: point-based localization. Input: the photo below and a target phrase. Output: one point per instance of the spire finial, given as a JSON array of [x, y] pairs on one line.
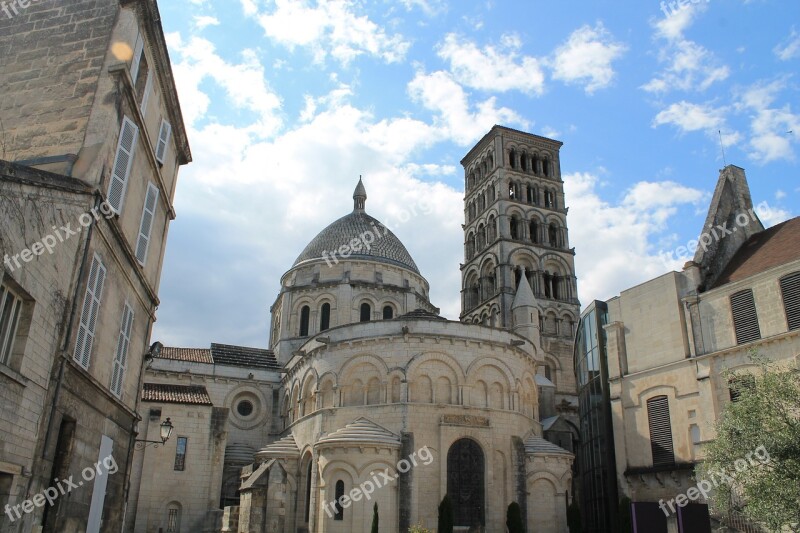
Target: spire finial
[[359, 196]]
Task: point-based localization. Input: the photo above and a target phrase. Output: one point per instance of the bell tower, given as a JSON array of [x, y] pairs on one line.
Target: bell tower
[[516, 227]]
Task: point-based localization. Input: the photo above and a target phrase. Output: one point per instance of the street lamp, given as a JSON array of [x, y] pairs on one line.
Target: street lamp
[[166, 430]]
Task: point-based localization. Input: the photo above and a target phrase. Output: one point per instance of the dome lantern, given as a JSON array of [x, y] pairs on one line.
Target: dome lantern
[[359, 197]]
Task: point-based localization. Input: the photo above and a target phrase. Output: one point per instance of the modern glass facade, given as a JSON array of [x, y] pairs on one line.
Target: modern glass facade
[[596, 449]]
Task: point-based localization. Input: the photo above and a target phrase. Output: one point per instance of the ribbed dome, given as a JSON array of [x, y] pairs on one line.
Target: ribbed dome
[[384, 245]]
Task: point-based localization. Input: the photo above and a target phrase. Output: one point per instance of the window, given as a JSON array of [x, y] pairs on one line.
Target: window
[[245, 408], [745, 318], [173, 518], [305, 313], [339, 514], [180, 454], [388, 312], [10, 310], [146, 225], [513, 227], [790, 288], [308, 493], [141, 71], [137, 57], [366, 312], [90, 312], [660, 431], [163, 140], [739, 384], [123, 161], [325, 317], [121, 357]]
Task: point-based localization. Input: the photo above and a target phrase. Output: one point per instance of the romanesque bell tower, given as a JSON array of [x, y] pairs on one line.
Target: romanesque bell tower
[[515, 234]]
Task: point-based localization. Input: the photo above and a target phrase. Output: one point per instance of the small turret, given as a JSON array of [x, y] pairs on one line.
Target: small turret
[[525, 313], [359, 197]]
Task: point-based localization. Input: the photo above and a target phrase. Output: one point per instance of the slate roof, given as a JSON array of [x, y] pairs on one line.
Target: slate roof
[[223, 354], [386, 247], [422, 313], [361, 431], [538, 446], [226, 354], [770, 248], [194, 355], [186, 394]]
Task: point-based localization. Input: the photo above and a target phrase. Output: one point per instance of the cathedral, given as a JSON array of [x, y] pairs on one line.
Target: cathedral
[[366, 395]]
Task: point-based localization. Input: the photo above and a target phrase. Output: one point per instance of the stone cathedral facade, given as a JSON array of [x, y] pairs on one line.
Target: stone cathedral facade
[[378, 399]]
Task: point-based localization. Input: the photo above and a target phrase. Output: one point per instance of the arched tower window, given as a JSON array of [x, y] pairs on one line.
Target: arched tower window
[[305, 315], [552, 235], [388, 312], [492, 229], [546, 167], [549, 200], [339, 515], [512, 159], [366, 312], [523, 161], [325, 317], [514, 228], [534, 230]]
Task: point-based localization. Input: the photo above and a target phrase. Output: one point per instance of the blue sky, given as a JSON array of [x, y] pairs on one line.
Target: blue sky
[[288, 102]]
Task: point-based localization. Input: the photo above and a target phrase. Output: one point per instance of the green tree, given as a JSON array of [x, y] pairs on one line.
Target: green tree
[[757, 449], [445, 516], [375, 518], [574, 518], [514, 518]]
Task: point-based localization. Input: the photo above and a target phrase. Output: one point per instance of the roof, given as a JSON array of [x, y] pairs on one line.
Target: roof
[[524, 296], [195, 355], [538, 446], [547, 423], [186, 394], [283, 448], [376, 241], [770, 248], [361, 431], [226, 354], [422, 313], [223, 354]]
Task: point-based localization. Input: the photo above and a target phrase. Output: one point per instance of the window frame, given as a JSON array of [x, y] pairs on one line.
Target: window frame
[[660, 429], [8, 338], [120, 363], [792, 313], [744, 317], [180, 458], [90, 313], [121, 181], [146, 223]]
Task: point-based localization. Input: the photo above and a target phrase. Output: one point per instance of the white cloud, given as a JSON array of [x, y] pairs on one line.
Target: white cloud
[[492, 68], [789, 48], [773, 129], [455, 118], [689, 66], [586, 58], [244, 83], [203, 21], [329, 27], [614, 242], [687, 116]]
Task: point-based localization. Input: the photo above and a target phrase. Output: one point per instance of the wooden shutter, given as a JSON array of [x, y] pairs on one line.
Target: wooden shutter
[[163, 140], [121, 357], [790, 287], [123, 160], [90, 312], [660, 431], [745, 318], [146, 225]]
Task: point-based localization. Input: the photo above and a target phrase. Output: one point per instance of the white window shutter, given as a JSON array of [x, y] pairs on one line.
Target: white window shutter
[[121, 357], [123, 161], [90, 312], [163, 140], [137, 57], [148, 88], [146, 225]]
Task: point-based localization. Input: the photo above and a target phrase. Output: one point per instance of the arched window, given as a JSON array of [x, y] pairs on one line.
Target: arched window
[[549, 200], [325, 317], [366, 312], [339, 515], [530, 194], [512, 159], [173, 518], [470, 246], [492, 229], [546, 167], [535, 165], [491, 160], [388, 312], [552, 235], [523, 161], [308, 492], [534, 230], [491, 194], [481, 237], [305, 314], [514, 228]]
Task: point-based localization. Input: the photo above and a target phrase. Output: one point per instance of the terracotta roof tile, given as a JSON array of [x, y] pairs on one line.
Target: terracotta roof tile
[[187, 394], [770, 248], [193, 355]]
